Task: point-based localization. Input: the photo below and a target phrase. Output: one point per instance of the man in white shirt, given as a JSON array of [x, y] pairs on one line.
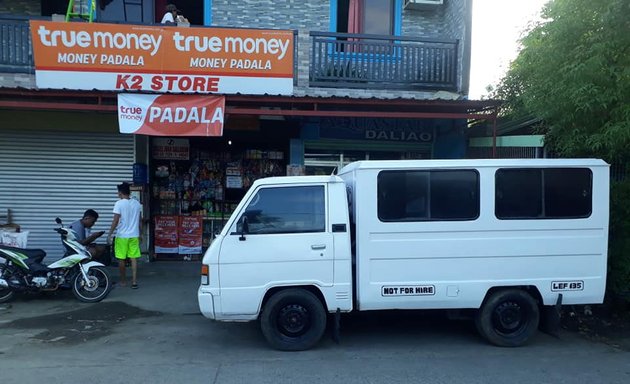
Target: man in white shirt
[[128, 226]]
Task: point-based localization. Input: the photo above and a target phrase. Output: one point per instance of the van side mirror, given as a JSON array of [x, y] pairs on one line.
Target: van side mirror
[[244, 229]]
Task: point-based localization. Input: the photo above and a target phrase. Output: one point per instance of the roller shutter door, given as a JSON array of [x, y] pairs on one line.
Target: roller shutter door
[[46, 174]]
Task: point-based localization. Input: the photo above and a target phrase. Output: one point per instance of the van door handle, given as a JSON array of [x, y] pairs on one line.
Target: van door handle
[[318, 247]]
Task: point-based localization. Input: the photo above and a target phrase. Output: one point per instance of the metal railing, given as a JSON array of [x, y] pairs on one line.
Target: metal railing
[[374, 61], [15, 46], [504, 153]]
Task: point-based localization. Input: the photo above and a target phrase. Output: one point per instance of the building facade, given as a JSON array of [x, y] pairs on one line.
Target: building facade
[[371, 80]]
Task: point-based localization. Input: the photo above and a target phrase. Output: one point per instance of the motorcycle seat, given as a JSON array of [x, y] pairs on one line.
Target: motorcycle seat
[[33, 254]]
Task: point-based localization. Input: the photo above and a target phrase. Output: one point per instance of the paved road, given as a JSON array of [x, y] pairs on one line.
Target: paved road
[[55, 340]]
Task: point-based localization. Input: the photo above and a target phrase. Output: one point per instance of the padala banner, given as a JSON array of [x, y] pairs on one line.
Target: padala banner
[[171, 115], [123, 57]]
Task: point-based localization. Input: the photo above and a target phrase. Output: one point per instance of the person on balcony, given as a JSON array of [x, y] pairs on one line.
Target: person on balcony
[[173, 16]]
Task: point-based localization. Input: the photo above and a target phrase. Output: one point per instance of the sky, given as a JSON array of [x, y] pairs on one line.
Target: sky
[[497, 27]]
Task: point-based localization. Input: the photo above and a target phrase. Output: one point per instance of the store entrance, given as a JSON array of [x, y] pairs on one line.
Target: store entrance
[[196, 184]]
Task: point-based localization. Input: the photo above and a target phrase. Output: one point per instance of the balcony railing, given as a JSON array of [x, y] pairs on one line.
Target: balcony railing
[[15, 46], [371, 61]]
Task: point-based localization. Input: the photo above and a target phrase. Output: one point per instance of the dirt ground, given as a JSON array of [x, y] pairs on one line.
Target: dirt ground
[[608, 323], [81, 325]]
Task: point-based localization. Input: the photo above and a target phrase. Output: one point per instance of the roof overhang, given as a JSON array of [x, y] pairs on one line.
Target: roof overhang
[[267, 105]]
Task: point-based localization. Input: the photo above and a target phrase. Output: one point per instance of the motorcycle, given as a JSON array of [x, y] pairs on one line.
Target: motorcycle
[[24, 271]]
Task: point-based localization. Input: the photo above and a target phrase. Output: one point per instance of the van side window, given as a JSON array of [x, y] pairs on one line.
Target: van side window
[[428, 195], [286, 210], [543, 193], [518, 193]]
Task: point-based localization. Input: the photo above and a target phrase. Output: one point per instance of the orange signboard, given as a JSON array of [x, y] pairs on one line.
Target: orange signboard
[[162, 59], [171, 115]]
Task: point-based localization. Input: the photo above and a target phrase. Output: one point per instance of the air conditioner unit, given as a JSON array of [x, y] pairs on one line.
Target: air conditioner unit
[[422, 4]]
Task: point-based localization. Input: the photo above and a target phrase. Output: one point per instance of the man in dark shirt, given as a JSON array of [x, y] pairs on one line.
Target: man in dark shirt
[[84, 235]]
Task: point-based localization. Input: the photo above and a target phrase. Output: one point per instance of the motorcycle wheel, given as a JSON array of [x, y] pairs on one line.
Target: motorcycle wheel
[[96, 289], [6, 294]]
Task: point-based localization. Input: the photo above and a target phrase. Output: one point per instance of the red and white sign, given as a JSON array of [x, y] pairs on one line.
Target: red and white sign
[[165, 234], [171, 115], [123, 57], [190, 235], [170, 149]]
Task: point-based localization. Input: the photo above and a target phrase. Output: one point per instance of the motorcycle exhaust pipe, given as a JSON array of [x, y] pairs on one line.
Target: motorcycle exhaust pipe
[[4, 283]]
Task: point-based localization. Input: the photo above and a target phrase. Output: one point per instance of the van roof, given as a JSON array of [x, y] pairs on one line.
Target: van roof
[[298, 179], [471, 163]]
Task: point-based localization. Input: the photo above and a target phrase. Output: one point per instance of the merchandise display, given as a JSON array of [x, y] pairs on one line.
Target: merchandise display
[[208, 185]]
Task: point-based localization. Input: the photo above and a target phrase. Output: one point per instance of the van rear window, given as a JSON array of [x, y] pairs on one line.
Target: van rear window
[[543, 193], [431, 195]]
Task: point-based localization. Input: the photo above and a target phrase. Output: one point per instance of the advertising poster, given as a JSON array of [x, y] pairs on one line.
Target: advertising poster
[[233, 182], [124, 57], [170, 149], [171, 115], [190, 235], [165, 234]]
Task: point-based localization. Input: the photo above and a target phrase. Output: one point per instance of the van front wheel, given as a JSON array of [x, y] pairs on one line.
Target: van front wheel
[[293, 320], [508, 318]]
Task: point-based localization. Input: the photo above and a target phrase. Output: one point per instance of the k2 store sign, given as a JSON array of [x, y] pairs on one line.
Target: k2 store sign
[[162, 59], [171, 115]]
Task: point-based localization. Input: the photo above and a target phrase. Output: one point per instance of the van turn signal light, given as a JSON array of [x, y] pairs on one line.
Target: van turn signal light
[[205, 274]]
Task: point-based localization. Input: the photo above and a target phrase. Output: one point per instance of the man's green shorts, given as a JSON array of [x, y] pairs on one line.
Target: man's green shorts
[[127, 248]]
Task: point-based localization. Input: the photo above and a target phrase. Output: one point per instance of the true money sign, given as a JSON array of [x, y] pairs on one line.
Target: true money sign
[[161, 59], [171, 115]]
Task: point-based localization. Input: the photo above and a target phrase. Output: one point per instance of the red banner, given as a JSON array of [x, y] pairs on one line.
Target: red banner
[[165, 234], [171, 115], [190, 235]]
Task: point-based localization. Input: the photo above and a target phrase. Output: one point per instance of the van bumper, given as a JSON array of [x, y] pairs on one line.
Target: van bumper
[[206, 303]]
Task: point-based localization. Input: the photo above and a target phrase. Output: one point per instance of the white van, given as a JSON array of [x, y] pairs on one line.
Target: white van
[[511, 238]]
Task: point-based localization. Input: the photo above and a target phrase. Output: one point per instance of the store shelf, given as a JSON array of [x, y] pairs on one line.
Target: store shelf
[[209, 183]]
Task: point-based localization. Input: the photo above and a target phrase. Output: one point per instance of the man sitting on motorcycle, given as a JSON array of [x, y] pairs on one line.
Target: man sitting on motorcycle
[[84, 237]]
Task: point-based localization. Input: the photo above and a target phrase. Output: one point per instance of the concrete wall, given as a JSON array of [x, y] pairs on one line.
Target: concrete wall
[[17, 80], [310, 15], [446, 21]]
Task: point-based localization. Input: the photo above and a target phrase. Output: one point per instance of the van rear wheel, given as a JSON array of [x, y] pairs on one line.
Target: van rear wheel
[[508, 318], [293, 320]]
